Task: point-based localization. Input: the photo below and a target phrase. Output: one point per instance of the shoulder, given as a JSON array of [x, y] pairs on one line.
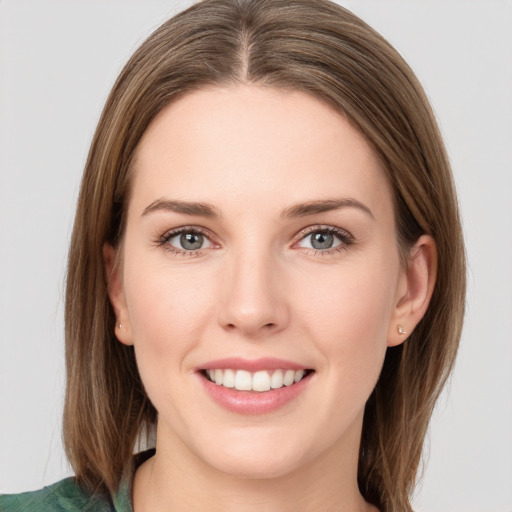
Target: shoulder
[[63, 496]]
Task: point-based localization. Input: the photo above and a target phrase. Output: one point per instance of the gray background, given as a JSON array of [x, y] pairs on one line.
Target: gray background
[[58, 60]]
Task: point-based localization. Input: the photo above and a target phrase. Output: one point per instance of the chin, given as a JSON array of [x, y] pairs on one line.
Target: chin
[[252, 457], [259, 468]]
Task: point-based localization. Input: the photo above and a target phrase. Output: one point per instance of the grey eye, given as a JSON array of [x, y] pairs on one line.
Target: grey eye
[[191, 241], [322, 240]]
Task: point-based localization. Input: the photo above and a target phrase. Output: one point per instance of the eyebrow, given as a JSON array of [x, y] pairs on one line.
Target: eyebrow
[[294, 211], [183, 207], [321, 206]]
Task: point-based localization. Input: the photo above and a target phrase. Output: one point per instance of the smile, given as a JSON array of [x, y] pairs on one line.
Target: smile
[[260, 381], [254, 387]]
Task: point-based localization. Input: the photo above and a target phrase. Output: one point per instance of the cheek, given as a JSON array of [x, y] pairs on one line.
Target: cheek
[[353, 296], [167, 309], [349, 316]]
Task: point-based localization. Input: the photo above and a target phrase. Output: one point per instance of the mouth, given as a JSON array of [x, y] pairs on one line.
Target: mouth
[[254, 386], [260, 381]]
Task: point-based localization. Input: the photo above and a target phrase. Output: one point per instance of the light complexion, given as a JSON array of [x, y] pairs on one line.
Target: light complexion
[[260, 283]]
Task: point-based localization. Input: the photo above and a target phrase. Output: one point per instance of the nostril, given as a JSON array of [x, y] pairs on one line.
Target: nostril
[[265, 326]]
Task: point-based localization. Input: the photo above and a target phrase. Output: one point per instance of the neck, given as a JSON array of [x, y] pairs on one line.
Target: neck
[[176, 480]]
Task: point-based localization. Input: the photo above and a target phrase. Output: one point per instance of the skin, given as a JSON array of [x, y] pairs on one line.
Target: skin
[[256, 289]]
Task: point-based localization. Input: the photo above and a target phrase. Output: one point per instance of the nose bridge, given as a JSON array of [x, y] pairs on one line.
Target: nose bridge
[[254, 300]]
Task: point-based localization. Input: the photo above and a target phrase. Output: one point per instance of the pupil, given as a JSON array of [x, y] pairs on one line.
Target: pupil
[[322, 240], [191, 241]]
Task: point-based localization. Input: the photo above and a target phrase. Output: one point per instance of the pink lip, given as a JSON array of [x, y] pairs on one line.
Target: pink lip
[[252, 402], [254, 365]]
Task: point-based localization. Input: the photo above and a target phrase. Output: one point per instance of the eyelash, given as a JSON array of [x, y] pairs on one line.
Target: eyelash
[[164, 239], [345, 238]]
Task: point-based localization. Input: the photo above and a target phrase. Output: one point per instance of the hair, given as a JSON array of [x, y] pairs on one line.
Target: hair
[[313, 46]]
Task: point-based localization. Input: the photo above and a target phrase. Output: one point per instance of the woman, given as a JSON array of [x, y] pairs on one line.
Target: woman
[[266, 266]]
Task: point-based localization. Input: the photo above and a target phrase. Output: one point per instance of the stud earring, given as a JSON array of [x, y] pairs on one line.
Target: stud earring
[[120, 326], [401, 329]]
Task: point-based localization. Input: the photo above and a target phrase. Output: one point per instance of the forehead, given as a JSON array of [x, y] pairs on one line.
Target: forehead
[[256, 144]]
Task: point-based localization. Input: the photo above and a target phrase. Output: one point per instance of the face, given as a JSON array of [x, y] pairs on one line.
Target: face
[[260, 254]]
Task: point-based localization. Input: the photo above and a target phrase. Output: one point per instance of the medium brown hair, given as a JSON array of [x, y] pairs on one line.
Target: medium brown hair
[[308, 45]]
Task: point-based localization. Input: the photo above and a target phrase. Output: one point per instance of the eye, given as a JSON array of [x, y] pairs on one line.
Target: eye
[[322, 240], [186, 240], [325, 239]]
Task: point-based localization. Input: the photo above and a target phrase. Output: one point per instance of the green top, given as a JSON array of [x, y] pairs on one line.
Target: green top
[[67, 496]]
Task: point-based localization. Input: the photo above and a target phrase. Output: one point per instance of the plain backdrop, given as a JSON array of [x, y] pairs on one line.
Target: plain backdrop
[[58, 60]]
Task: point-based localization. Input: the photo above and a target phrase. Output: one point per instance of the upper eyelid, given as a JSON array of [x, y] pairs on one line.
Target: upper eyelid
[[188, 229], [324, 227], [171, 233], [301, 234]]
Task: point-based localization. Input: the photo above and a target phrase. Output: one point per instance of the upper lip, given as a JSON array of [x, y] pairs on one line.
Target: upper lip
[[252, 365]]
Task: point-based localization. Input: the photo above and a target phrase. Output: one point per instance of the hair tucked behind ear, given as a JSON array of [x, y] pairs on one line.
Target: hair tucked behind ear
[[322, 49]]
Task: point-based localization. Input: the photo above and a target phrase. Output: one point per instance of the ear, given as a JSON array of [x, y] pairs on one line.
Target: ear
[[414, 291], [116, 294]]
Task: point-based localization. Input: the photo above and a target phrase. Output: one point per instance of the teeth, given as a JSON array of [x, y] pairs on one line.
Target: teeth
[[261, 381], [264, 380], [229, 379], [276, 381], [299, 375], [243, 380], [289, 378]]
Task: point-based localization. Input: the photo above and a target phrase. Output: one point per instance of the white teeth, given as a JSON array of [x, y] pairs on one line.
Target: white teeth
[[243, 380], [261, 381], [229, 379], [289, 378], [299, 375], [276, 381]]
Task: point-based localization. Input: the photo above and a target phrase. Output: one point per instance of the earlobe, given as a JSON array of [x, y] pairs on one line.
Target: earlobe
[[415, 290], [116, 295]]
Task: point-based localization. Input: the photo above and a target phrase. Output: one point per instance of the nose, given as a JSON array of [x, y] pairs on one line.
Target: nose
[[254, 297]]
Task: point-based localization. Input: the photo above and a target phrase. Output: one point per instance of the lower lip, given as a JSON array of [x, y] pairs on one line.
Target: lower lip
[[254, 402]]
